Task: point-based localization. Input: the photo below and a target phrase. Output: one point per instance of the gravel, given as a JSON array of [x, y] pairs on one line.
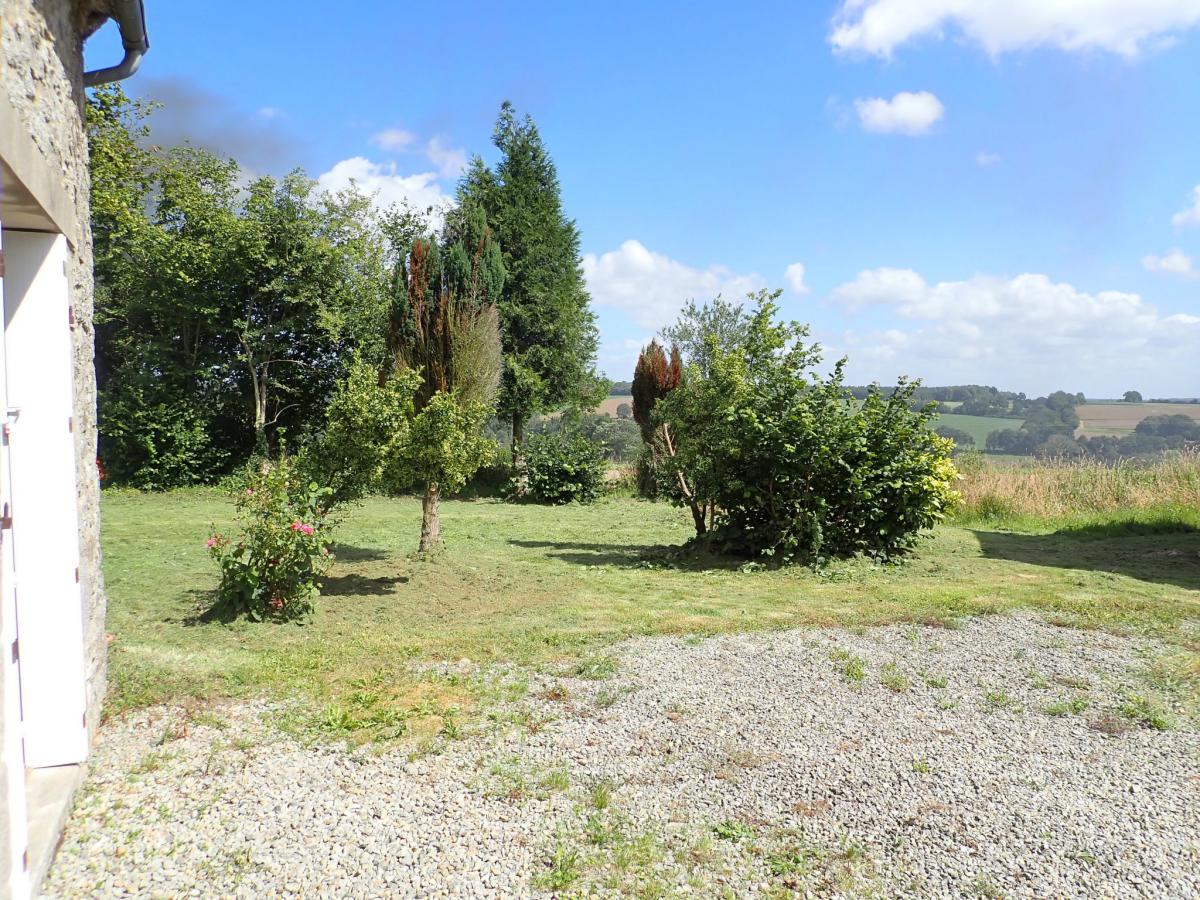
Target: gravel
[[756, 765]]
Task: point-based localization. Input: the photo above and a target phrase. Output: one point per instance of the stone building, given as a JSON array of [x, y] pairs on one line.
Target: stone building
[[52, 640]]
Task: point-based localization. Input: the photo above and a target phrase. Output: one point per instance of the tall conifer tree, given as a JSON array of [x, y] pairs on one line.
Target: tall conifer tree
[[549, 331]]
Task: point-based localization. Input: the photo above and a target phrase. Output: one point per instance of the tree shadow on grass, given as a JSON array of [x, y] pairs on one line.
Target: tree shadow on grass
[[1154, 553], [350, 553], [359, 585], [205, 609], [633, 556]]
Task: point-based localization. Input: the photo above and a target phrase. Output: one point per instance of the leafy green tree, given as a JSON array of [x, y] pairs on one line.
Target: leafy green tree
[[704, 329], [225, 313], [1169, 426], [421, 421], [792, 467], [1132, 397], [549, 332], [444, 324], [303, 271]]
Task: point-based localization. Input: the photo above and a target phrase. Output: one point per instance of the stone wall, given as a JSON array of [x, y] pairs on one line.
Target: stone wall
[[41, 69]]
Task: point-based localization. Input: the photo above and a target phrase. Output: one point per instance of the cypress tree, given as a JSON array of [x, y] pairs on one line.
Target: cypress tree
[[444, 325], [548, 330]]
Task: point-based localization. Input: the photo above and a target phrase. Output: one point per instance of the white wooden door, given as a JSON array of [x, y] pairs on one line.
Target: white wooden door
[[14, 763], [45, 533]]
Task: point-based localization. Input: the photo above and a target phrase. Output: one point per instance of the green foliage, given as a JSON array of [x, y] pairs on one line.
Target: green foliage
[[794, 469], [962, 440], [156, 445], [620, 439], [444, 326], [376, 440], [445, 445], [548, 330], [969, 462], [562, 467], [1171, 426], [443, 320], [1132, 397], [366, 430], [733, 830], [222, 308], [274, 568], [703, 330]]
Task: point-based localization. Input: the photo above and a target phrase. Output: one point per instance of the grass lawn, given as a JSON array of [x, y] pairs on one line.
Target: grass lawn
[[553, 586]]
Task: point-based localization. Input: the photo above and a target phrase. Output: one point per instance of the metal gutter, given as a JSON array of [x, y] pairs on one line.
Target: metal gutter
[[131, 18]]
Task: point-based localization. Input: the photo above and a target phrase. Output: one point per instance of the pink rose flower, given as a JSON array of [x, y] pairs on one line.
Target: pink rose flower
[[306, 528], [210, 543]]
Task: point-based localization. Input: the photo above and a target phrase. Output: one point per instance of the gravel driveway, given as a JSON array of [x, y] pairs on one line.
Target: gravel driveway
[[1008, 758]]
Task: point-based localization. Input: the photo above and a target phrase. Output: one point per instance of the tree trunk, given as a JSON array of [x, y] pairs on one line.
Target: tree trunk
[[689, 498], [518, 452], [258, 382], [431, 526], [260, 419], [518, 434]]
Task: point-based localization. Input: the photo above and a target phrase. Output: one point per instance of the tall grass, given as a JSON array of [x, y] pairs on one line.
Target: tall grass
[[1073, 489]]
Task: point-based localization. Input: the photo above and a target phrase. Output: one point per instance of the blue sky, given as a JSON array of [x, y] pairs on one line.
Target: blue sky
[[1005, 195]]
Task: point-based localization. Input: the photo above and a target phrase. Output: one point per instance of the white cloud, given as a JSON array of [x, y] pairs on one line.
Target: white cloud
[[270, 112], [1124, 27], [906, 113], [1024, 333], [618, 358], [385, 183], [1190, 215], [1175, 262], [651, 288], [449, 160], [393, 139], [794, 275], [986, 160]]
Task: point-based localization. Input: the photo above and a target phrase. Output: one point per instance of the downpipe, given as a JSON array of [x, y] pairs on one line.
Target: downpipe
[[131, 19]]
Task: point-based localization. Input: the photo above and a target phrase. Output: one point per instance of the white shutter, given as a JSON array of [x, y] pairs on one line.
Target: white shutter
[[14, 786], [45, 533]]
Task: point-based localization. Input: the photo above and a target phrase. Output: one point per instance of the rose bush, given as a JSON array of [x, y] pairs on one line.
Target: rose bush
[[274, 568]]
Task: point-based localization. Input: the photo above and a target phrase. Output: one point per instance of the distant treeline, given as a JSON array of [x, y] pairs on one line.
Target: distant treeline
[[980, 400], [621, 389], [1049, 431]]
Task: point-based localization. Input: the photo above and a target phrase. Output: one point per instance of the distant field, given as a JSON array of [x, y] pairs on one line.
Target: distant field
[[1122, 418], [1095, 418], [610, 405], [977, 426]]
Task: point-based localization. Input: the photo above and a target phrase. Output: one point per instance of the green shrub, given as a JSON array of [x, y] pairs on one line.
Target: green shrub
[[793, 467], [490, 480], [650, 475], [273, 570], [155, 446], [562, 467]]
